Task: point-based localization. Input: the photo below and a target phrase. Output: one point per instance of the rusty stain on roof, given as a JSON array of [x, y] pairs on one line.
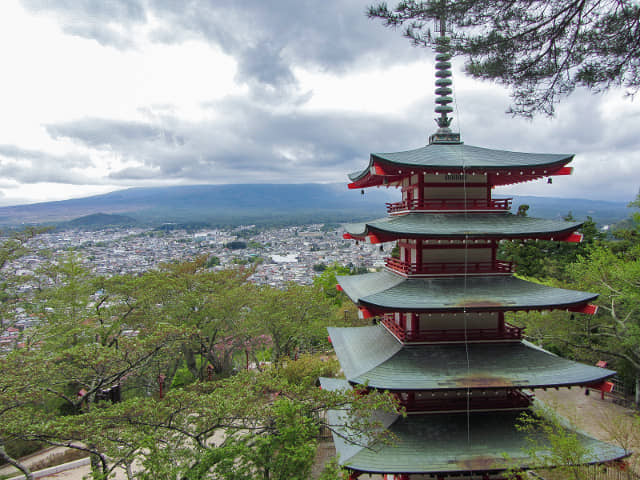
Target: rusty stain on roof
[[479, 462], [478, 303], [483, 380]]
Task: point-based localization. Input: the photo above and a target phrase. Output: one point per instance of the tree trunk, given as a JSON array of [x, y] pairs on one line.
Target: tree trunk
[[637, 399], [16, 463], [190, 360], [171, 372]]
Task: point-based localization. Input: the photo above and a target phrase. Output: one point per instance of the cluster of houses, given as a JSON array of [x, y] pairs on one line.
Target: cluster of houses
[[291, 254]]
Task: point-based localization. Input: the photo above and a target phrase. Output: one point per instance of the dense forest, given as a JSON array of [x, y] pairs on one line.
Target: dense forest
[[186, 372]]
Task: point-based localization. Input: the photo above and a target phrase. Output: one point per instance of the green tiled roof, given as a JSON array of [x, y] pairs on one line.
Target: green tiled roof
[[372, 356], [434, 225], [467, 156], [390, 292], [451, 443]]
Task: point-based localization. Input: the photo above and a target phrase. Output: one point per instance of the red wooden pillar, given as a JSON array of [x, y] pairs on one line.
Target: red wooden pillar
[[501, 322], [420, 197]]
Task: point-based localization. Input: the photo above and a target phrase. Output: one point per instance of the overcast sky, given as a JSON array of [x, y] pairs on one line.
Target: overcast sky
[[101, 95]]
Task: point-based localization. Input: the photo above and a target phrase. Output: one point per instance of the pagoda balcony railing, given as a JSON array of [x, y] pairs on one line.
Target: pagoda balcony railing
[[499, 204], [513, 400], [509, 332], [449, 268]]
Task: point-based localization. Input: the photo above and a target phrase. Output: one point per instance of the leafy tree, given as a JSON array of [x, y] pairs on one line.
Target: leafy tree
[[255, 425], [209, 307], [333, 471], [236, 245], [327, 282], [522, 210], [89, 342], [294, 318], [542, 49], [615, 331], [212, 261], [549, 259], [100, 335], [255, 260], [552, 447], [627, 234], [12, 247]]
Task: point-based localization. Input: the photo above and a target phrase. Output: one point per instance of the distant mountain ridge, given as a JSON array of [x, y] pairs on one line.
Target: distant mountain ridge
[[101, 220], [262, 204]]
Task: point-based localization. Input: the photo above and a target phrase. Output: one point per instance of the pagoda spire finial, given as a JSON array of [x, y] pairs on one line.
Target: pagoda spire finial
[[443, 84]]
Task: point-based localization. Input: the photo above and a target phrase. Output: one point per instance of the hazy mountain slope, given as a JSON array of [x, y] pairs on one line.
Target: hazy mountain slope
[[212, 203], [601, 211], [266, 203]]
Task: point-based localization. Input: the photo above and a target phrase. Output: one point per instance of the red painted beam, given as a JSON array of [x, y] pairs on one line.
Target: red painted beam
[[347, 236], [373, 239], [563, 171], [589, 309], [575, 237], [377, 170], [366, 313]]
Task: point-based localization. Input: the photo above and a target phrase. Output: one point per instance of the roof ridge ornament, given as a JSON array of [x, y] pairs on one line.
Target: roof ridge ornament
[[443, 87]]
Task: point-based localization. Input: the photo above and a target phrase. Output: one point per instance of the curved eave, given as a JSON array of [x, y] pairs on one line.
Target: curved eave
[[502, 167], [438, 444], [459, 226], [372, 356], [383, 292]]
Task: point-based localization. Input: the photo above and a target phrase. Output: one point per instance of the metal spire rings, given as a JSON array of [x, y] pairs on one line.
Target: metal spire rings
[[443, 82]]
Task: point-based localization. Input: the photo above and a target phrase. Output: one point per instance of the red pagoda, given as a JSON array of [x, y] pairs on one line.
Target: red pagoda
[[441, 344]]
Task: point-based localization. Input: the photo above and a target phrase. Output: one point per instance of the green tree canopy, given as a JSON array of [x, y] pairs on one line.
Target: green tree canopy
[[130, 331]]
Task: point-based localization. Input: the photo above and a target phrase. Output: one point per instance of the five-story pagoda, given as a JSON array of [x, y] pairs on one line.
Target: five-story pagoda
[[442, 345]]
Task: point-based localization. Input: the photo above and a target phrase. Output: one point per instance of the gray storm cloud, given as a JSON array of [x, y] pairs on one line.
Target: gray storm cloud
[[253, 141]]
